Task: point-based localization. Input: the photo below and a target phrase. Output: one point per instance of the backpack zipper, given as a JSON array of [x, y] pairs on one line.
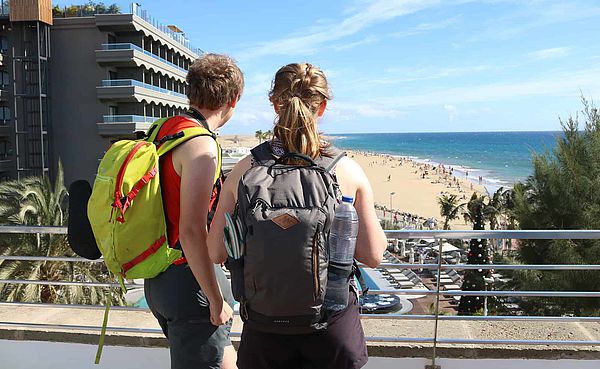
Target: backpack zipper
[[118, 199], [315, 263]]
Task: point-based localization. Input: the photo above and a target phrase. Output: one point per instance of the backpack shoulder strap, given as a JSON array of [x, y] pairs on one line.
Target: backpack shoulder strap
[[155, 129], [329, 162], [168, 143], [177, 139], [262, 153]]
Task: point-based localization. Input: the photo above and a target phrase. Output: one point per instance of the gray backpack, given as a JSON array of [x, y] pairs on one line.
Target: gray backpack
[[286, 206]]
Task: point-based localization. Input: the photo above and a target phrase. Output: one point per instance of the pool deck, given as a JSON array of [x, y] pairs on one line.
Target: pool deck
[[421, 304]]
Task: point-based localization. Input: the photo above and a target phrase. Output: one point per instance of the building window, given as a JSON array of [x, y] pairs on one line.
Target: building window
[[5, 149], [43, 41], [112, 39], [113, 110], [4, 114], [112, 75], [3, 44], [4, 80]]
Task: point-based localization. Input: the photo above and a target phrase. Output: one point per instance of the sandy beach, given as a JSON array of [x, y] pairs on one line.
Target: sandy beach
[[416, 186]]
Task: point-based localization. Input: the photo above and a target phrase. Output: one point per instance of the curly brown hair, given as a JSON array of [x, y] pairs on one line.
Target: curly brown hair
[[214, 80]]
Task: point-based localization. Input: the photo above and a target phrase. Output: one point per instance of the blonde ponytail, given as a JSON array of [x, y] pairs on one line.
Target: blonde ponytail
[[298, 92]]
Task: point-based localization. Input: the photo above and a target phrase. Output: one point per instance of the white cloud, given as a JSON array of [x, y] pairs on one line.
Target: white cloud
[[365, 15], [555, 52], [531, 14], [252, 113], [429, 26], [565, 84], [341, 110], [398, 75], [365, 41], [258, 84], [452, 111]]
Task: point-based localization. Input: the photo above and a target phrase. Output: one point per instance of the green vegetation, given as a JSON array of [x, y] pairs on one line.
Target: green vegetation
[[262, 136], [35, 201], [563, 193], [85, 10], [450, 209]]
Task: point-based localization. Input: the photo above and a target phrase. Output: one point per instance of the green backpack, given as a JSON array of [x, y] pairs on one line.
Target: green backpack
[[126, 206]]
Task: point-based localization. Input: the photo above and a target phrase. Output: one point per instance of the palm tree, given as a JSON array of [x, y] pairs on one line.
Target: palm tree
[[450, 209], [35, 201], [260, 135], [268, 135], [494, 208]]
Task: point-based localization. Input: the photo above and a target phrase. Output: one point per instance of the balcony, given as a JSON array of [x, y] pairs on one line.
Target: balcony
[[7, 163], [124, 125], [130, 90], [130, 55], [4, 92], [142, 22], [6, 128], [64, 333]]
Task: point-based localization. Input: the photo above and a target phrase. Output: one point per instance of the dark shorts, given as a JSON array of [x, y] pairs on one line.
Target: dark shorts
[[341, 346], [175, 299]]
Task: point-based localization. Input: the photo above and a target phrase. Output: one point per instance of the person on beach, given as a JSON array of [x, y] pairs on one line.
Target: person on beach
[[299, 95], [192, 299]]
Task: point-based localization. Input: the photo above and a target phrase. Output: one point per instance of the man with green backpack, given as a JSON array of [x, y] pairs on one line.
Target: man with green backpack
[[150, 210]]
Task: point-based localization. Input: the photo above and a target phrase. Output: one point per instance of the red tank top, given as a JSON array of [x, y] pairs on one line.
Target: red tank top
[[170, 181]]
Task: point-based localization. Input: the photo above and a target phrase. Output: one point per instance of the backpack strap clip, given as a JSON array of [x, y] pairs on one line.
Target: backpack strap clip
[[169, 138]]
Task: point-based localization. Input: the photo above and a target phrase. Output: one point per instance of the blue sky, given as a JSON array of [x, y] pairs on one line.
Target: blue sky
[[407, 65]]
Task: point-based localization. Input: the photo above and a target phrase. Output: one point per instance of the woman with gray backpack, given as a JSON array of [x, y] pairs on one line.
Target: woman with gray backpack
[[283, 198]]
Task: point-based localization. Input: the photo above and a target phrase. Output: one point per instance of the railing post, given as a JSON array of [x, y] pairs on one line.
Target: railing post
[[437, 307]]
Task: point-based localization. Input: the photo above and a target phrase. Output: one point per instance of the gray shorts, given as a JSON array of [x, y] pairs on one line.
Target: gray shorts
[[181, 308]]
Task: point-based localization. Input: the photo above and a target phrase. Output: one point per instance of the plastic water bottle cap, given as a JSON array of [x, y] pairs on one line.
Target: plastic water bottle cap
[[348, 199]]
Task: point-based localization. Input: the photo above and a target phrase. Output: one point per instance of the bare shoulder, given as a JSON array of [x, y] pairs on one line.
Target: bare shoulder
[[238, 171], [201, 147], [349, 169], [241, 167]]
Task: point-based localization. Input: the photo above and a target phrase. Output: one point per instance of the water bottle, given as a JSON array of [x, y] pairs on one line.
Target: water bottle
[[342, 243]]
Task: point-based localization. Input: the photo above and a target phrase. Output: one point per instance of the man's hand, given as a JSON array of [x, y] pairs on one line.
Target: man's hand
[[220, 313]]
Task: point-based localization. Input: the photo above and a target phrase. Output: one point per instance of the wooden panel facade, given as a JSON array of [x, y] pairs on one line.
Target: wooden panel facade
[[31, 10]]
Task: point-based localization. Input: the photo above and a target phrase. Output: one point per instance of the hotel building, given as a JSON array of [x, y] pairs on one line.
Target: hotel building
[[77, 84]]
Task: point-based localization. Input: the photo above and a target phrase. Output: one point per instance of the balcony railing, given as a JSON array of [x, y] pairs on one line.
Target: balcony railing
[[128, 119], [437, 292], [178, 37], [133, 82], [128, 46]]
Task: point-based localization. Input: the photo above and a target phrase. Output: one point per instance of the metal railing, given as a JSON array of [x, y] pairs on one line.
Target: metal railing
[[178, 37], [133, 82], [436, 235], [128, 119], [129, 46]]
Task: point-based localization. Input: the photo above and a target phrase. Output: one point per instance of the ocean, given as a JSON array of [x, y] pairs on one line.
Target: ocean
[[500, 158]]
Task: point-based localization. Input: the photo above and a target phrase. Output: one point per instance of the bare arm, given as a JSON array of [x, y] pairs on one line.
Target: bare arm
[[227, 200], [371, 241], [197, 163]]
